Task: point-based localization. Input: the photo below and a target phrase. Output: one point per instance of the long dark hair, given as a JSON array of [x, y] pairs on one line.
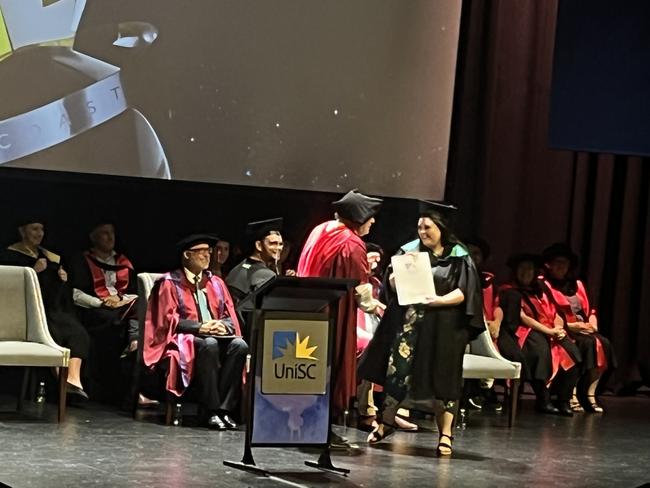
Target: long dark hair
[[447, 236]]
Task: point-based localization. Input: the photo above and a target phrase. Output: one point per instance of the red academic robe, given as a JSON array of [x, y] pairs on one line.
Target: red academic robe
[[543, 310], [564, 307], [333, 250], [170, 302]]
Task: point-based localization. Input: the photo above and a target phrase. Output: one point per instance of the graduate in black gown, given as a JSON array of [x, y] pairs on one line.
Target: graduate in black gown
[[62, 322], [417, 351], [265, 244]]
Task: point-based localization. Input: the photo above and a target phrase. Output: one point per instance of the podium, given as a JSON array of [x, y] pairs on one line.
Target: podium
[[291, 374]]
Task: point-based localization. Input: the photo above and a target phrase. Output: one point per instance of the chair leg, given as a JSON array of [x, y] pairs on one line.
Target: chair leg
[[514, 396], [169, 410], [23, 388], [63, 380]]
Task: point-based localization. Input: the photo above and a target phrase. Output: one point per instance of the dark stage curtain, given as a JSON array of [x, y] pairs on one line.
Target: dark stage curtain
[[521, 196]]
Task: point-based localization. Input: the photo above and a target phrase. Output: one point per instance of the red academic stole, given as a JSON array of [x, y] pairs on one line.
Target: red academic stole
[[564, 307], [323, 244], [122, 269], [543, 310]]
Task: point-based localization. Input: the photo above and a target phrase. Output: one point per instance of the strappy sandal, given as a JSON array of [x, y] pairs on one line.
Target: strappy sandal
[[444, 445], [367, 423], [594, 407], [380, 433], [575, 406]]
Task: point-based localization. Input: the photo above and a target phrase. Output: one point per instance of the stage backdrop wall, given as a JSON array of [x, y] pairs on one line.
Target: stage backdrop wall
[[521, 195]]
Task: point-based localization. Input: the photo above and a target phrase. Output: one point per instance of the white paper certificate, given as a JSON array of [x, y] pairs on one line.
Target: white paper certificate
[[413, 278]]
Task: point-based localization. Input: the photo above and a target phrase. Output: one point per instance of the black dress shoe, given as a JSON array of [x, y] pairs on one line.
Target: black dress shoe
[[548, 408], [215, 423], [228, 421], [564, 409], [75, 392]]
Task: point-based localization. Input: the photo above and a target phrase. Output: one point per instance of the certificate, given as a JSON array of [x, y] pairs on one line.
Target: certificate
[[413, 278]]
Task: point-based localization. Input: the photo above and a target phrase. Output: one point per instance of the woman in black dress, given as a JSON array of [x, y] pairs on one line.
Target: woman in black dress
[[63, 324], [417, 351]]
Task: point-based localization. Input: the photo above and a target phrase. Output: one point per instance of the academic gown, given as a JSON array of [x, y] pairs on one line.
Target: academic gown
[[110, 329], [244, 279], [172, 322], [333, 250], [417, 351], [595, 349], [62, 321]]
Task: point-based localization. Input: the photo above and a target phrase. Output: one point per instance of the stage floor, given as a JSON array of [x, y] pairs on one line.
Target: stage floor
[[98, 446]]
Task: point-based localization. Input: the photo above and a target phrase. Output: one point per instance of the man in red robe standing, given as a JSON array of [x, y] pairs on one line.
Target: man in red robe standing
[[192, 333], [334, 249]]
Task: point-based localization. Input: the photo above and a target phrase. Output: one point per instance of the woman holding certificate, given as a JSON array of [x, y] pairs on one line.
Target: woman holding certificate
[[434, 310]]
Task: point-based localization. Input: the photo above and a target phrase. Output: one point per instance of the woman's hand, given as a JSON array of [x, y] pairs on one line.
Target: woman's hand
[[40, 265], [432, 301], [62, 274], [558, 334]]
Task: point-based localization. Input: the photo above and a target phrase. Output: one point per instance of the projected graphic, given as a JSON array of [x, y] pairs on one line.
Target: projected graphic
[[300, 94], [65, 110]]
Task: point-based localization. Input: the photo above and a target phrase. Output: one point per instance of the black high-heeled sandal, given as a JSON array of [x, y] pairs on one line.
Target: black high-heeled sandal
[[444, 445], [380, 433], [594, 407]]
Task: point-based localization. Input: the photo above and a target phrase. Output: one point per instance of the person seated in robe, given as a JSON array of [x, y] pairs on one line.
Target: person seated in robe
[[480, 393], [264, 250], [572, 301], [192, 334], [551, 359], [104, 291], [62, 321], [219, 258]]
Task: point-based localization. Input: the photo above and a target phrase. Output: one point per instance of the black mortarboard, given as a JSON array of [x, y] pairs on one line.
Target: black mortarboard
[[438, 210], [357, 207], [515, 259], [560, 249], [257, 231], [194, 239]]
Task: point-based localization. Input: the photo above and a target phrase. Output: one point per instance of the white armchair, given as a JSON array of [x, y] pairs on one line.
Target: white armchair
[[24, 337], [484, 361]]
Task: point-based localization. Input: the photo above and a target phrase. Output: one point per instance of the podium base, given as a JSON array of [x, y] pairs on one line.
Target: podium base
[[324, 463]]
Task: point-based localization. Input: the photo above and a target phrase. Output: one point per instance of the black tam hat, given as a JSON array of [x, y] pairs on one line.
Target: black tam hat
[[28, 218], [357, 207], [560, 249], [439, 211], [515, 260], [257, 231], [194, 239]]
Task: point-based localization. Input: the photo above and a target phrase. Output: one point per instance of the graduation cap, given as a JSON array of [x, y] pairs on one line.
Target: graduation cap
[[480, 243], [515, 260], [357, 207], [560, 250], [257, 231], [192, 240], [438, 211]]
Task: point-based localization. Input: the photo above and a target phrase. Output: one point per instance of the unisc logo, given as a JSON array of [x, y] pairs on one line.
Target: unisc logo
[[293, 357]]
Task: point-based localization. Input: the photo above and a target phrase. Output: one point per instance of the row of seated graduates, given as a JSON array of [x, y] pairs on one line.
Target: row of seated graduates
[[542, 318], [90, 303]]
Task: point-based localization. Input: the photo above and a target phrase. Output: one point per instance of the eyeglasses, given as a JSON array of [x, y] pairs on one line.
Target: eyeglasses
[[203, 250]]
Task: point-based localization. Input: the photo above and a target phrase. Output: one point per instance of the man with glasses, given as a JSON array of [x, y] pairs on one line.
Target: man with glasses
[[192, 333]]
